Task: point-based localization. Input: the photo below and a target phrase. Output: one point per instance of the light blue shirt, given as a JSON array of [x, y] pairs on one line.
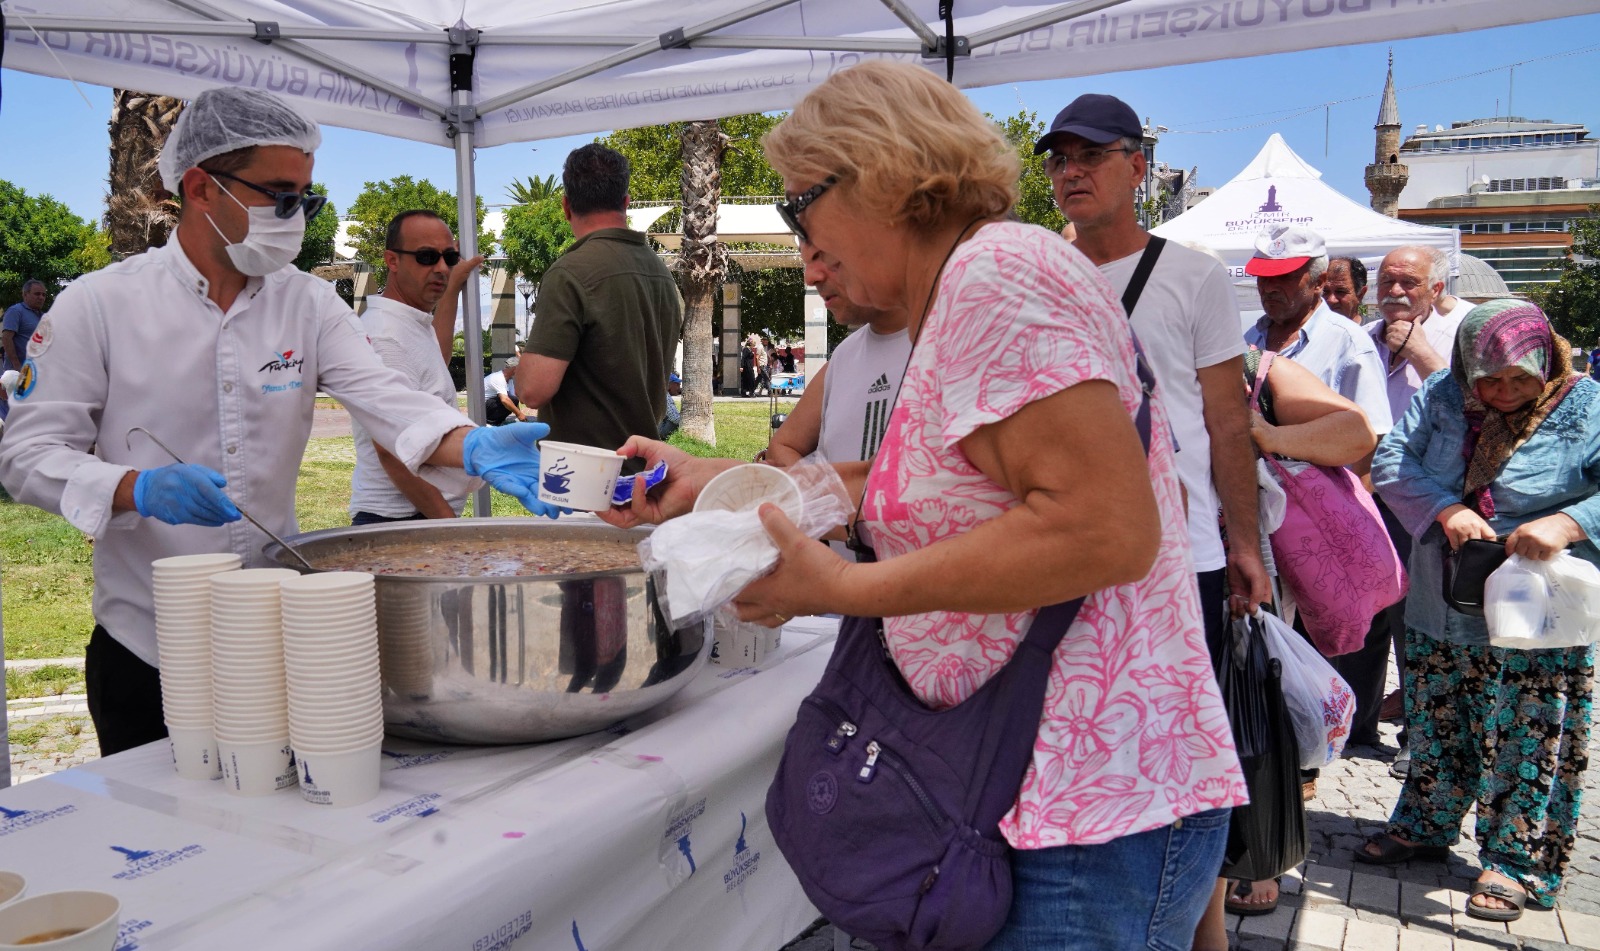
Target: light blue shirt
[[1419, 471], [1342, 355]]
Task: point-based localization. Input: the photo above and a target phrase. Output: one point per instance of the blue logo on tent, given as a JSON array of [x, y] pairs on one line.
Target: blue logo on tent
[[683, 846]]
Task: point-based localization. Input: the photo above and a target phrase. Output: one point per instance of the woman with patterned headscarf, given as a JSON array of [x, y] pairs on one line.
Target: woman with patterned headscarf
[[1503, 445]]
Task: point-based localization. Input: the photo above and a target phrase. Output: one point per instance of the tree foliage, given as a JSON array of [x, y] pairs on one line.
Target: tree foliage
[[536, 234], [41, 238], [1573, 302], [654, 152], [529, 190], [1038, 203], [379, 202], [317, 245]]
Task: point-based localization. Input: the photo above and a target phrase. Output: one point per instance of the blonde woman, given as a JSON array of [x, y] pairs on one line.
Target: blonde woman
[[1011, 477]]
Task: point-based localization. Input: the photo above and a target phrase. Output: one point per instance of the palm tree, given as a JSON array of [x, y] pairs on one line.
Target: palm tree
[[532, 190], [139, 212], [703, 265]]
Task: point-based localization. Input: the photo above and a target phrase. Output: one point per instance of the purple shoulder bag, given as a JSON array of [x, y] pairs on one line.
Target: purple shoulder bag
[[889, 812]]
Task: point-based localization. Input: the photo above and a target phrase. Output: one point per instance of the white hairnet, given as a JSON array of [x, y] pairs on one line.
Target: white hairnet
[[229, 118]]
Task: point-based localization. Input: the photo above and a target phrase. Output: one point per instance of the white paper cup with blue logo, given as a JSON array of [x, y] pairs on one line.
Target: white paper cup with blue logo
[[257, 768], [577, 477], [345, 777], [61, 921], [194, 751]]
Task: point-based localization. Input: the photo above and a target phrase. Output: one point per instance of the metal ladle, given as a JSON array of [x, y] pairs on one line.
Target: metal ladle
[[128, 441]]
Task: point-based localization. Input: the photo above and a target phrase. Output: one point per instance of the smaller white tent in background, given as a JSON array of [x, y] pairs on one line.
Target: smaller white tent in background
[[1278, 187]]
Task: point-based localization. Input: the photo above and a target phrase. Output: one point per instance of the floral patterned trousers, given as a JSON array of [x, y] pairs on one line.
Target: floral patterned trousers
[[1507, 730]]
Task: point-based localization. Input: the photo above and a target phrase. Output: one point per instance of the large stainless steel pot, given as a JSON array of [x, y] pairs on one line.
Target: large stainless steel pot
[[514, 659]]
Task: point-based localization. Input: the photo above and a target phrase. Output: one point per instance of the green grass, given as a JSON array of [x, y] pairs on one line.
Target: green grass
[[46, 576], [61, 735], [51, 680]]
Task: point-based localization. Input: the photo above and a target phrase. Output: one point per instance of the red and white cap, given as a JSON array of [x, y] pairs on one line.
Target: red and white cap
[[1282, 249]]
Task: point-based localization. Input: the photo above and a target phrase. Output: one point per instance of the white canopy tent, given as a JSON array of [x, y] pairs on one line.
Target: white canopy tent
[[464, 73], [1279, 187]]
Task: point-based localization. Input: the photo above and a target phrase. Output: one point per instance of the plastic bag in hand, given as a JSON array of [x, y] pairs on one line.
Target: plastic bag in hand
[[710, 556], [1321, 705], [1267, 837], [1543, 605]]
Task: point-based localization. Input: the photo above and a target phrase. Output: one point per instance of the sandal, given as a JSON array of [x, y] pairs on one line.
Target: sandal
[[1392, 851], [1238, 902], [1517, 898]]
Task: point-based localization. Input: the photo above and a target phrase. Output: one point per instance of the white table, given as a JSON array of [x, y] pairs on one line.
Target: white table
[[649, 836]]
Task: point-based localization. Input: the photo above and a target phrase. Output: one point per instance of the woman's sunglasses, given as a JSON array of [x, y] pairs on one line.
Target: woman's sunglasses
[[428, 257], [790, 210], [309, 202]]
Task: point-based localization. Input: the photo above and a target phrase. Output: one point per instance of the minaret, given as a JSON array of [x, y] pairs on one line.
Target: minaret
[[1386, 177]]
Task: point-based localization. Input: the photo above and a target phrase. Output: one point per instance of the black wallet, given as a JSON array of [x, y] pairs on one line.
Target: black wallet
[[1465, 571]]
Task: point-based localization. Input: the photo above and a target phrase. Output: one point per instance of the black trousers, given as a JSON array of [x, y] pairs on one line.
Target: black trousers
[[124, 695], [369, 518]]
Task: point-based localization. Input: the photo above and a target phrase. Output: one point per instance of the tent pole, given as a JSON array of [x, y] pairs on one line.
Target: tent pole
[[471, 315]]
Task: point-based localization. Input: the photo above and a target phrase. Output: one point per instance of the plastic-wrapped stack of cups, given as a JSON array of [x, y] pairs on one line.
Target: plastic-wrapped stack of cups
[[250, 704], [182, 589], [330, 647]]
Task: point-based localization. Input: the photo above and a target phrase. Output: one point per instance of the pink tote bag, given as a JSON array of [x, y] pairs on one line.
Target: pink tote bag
[[1332, 550]]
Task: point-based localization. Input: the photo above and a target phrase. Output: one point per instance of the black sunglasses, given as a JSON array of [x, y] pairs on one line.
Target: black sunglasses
[[428, 257], [309, 202], [790, 210]]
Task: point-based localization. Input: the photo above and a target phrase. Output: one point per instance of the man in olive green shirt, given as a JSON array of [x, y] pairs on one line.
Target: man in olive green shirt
[[607, 319]]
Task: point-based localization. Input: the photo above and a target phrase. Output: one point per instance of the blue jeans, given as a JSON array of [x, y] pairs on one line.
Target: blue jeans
[[1146, 890]]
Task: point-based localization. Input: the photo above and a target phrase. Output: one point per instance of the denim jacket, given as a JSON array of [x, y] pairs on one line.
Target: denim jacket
[[1419, 471]]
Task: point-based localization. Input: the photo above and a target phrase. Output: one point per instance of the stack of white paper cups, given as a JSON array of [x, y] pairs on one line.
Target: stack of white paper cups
[[250, 696], [330, 648], [181, 586]]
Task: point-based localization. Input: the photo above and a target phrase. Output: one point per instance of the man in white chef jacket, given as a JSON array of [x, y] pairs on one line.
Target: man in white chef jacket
[[218, 346]]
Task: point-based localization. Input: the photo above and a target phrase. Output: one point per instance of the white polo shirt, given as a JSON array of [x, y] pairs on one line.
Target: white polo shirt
[[403, 339], [140, 344]]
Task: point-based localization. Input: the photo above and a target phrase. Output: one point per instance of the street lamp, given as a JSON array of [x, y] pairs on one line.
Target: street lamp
[[526, 288]]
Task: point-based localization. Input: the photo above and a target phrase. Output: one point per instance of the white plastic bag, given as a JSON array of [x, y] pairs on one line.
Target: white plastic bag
[[1320, 703], [1542, 605], [710, 556]]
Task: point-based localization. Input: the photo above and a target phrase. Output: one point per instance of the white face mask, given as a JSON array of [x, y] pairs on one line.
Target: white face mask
[[270, 244]]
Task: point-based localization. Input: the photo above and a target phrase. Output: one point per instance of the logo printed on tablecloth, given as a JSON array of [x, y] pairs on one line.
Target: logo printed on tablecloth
[[126, 932], [143, 862], [415, 807], [15, 820], [679, 827], [745, 860], [504, 936]]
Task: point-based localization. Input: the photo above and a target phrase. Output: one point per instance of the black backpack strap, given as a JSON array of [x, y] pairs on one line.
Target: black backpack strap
[[1141, 274]]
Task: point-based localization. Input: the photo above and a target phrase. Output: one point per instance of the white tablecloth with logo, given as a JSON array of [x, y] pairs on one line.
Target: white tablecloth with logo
[[650, 836]]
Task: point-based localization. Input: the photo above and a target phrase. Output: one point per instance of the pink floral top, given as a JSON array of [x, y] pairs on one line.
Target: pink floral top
[[1133, 733]]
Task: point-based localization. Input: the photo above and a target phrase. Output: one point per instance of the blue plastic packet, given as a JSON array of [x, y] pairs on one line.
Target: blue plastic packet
[[623, 493]]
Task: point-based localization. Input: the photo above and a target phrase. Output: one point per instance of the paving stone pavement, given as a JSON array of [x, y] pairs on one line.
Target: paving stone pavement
[[1330, 903]]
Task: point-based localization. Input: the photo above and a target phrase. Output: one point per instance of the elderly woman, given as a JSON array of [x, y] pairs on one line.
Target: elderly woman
[[1506, 443], [1011, 477]]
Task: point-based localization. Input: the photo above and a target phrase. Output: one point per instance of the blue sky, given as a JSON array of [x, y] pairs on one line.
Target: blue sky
[[1219, 114]]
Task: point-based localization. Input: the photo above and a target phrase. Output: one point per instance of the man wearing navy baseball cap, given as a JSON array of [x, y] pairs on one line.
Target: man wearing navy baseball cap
[[1186, 317]]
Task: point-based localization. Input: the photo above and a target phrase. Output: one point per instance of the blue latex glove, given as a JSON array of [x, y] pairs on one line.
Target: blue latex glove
[[507, 457], [184, 494]]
